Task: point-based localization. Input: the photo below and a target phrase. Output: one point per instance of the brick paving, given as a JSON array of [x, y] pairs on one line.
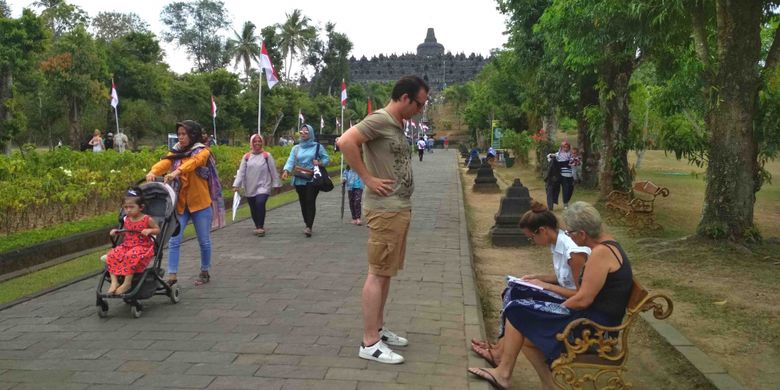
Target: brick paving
[[281, 312]]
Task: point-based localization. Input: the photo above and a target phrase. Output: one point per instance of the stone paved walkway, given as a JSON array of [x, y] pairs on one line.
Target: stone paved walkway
[[281, 312]]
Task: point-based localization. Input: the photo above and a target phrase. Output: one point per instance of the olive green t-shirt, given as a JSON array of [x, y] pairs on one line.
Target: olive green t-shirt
[[386, 154]]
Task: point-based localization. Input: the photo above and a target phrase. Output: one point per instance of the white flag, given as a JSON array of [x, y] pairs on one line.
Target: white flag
[[114, 96]]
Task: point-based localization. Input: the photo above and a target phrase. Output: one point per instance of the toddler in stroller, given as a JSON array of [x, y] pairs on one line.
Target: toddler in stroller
[[146, 222], [137, 248]]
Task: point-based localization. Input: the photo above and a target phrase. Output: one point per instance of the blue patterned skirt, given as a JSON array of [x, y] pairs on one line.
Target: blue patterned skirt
[[540, 317]]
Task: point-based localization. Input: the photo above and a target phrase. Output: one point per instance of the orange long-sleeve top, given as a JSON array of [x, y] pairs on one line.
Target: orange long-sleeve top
[[194, 191]]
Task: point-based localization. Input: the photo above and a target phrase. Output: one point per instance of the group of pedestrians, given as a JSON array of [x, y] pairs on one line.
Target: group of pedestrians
[[119, 142], [591, 277]]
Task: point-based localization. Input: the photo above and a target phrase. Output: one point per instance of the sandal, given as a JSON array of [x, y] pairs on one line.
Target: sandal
[[486, 376], [260, 232], [486, 354], [203, 278], [171, 279]]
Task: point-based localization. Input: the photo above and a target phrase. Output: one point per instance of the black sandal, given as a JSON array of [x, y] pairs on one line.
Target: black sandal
[[203, 278]]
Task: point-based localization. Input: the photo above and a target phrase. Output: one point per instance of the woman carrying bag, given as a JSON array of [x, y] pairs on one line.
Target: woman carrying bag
[[257, 174], [303, 158]]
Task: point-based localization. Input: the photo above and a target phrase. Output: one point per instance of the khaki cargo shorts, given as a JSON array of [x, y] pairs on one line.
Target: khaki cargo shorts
[[387, 232]]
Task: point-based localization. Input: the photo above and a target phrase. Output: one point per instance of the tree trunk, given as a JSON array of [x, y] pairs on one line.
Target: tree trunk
[[550, 125], [74, 127], [614, 173], [590, 157], [733, 173]]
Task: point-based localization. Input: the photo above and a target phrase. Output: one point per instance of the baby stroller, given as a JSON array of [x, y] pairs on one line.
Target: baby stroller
[[160, 204]]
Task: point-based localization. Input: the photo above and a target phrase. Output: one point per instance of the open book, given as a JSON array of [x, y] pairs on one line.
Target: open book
[[515, 280]]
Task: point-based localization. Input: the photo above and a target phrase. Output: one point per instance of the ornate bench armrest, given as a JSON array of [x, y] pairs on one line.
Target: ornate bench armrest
[[583, 336]]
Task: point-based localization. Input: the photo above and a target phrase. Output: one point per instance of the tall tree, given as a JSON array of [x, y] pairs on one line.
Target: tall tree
[[295, 36], [60, 16], [330, 60], [726, 39], [20, 40], [5, 9], [112, 25], [245, 48], [196, 26], [457, 95], [76, 70]]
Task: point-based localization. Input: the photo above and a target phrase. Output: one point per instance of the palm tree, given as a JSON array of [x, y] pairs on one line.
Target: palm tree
[[295, 35], [245, 48]]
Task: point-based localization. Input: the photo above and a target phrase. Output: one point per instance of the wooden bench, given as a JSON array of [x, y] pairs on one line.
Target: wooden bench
[[638, 205], [595, 355]]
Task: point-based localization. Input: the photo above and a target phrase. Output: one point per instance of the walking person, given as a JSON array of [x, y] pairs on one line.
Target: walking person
[[257, 174], [303, 158], [120, 142], [387, 174], [355, 191], [421, 145], [96, 142], [191, 164], [565, 181]]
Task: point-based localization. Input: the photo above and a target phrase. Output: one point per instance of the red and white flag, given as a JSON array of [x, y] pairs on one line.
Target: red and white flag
[[270, 72], [114, 96], [322, 123], [369, 105], [300, 117], [343, 93], [213, 107]]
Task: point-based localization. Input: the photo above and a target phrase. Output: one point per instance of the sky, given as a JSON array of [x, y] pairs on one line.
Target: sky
[[373, 27]]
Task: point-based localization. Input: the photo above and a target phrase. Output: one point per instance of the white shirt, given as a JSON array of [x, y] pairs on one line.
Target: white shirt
[[561, 253], [420, 144]]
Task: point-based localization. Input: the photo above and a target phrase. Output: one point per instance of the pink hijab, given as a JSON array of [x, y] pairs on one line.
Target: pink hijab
[[252, 145]]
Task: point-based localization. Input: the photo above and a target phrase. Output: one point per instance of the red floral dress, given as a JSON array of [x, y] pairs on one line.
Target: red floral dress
[[134, 253]]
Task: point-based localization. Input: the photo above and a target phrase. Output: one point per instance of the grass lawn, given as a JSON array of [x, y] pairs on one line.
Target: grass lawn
[[32, 283], [724, 294]]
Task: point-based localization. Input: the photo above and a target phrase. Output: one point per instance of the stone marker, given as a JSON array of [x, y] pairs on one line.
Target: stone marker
[[474, 164], [506, 231], [485, 181]]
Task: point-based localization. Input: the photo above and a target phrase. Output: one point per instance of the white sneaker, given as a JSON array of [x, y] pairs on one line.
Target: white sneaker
[[380, 352], [391, 338]]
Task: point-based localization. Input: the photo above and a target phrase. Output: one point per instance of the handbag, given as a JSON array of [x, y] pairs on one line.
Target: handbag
[[301, 172], [321, 178]]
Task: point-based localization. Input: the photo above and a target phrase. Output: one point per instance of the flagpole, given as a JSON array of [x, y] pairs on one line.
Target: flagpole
[[260, 97], [116, 116], [214, 123]]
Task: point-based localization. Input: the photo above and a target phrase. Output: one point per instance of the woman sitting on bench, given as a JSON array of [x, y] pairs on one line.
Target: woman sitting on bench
[[568, 260], [531, 325]]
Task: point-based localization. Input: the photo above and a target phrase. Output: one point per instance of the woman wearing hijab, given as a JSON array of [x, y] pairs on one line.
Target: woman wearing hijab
[[257, 174], [191, 164], [564, 177], [303, 158]]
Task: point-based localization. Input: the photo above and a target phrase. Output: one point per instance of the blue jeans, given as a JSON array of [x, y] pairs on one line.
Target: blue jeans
[[201, 219]]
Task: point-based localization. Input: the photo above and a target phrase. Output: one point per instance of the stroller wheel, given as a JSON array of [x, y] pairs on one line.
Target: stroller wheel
[[102, 310], [136, 310], [174, 294]]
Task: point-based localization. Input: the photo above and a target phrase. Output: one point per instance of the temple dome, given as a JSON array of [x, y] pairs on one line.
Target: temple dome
[[430, 47]]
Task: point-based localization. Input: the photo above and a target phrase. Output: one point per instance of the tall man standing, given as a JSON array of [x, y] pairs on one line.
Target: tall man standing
[[387, 175]]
